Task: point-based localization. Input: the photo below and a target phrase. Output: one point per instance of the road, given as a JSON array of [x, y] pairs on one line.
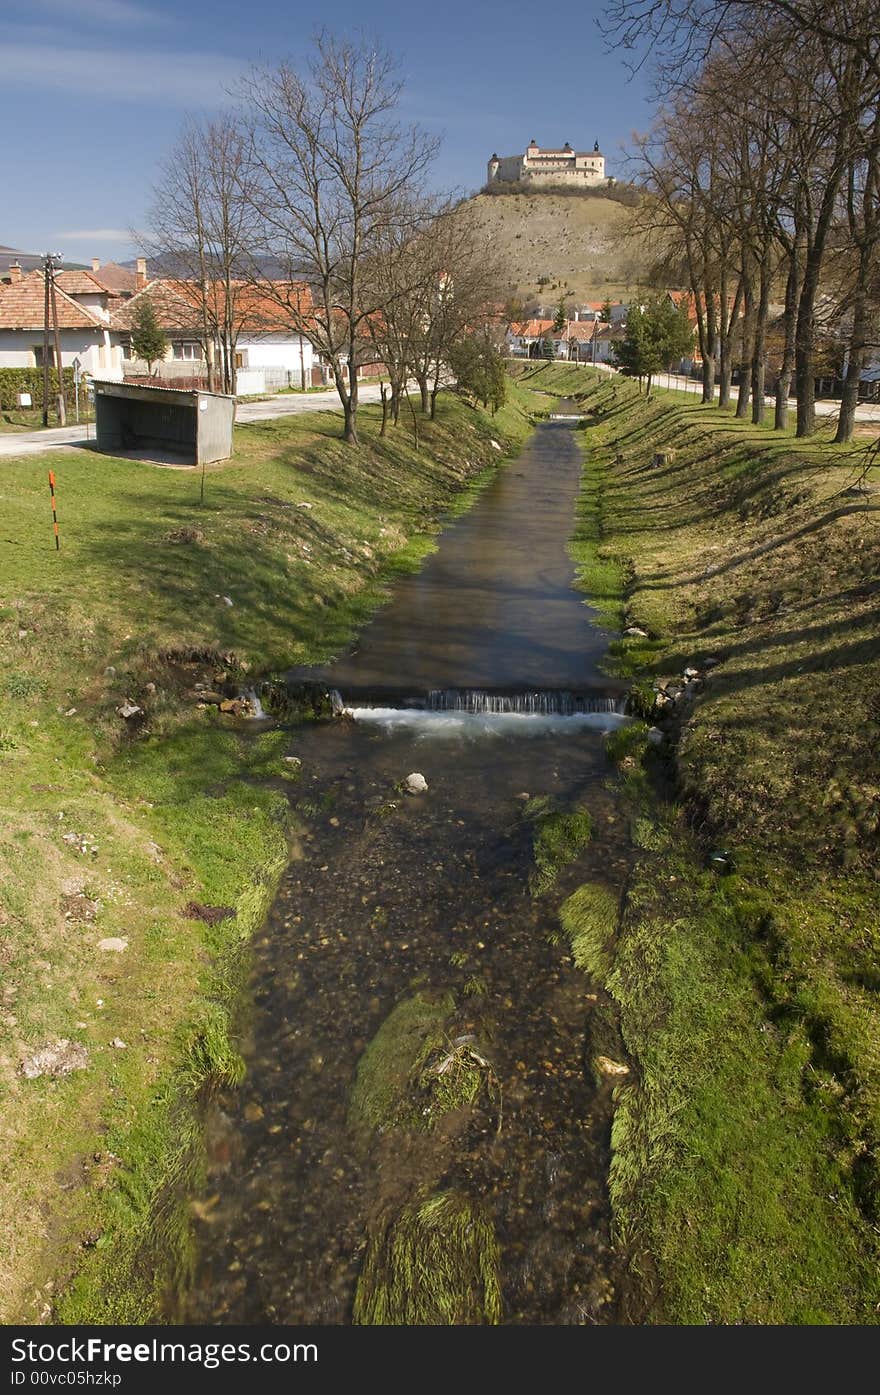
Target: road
[[825, 407], [20, 443]]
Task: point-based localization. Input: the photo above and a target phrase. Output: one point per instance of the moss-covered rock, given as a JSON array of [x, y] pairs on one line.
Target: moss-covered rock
[[589, 919], [559, 837], [435, 1264], [383, 1094]]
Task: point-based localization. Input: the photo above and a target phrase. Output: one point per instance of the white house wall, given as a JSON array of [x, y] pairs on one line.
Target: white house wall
[[92, 347], [275, 351]]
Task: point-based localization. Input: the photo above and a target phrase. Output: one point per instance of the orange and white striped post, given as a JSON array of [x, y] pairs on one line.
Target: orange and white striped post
[[54, 513]]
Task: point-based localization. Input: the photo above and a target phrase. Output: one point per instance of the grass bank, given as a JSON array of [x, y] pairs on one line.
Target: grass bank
[[138, 854], [744, 963]]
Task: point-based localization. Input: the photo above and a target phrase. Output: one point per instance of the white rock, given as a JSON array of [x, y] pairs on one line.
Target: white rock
[[416, 783], [495, 445], [692, 673], [114, 944], [293, 760], [119, 1044], [128, 709], [55, 1058], [635, 630], [609, 1067], [227, 600]]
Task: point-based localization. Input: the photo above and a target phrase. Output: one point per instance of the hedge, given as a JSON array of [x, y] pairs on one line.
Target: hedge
[[16, 380]]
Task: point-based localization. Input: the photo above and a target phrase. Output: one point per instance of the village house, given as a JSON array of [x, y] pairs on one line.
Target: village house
[[523, 335], [84, 323], [269, 354]]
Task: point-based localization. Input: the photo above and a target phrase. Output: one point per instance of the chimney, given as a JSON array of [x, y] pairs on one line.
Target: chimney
[[96, 265], [14, 273], [140, 268]]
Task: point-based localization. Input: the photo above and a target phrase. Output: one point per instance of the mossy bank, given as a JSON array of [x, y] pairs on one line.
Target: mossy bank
[[144, 830], [740, 566]]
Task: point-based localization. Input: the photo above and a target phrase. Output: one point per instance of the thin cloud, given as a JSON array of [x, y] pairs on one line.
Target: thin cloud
[[95, 235], [112, 13], [121, 74]]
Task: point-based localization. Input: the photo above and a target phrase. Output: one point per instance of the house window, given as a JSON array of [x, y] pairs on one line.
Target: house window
[[38, 355], [186, 349]]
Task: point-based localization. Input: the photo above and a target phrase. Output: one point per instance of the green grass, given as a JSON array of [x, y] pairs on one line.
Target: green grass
[[184, 808], [589, 919], [745, 1143], [436, 1264]]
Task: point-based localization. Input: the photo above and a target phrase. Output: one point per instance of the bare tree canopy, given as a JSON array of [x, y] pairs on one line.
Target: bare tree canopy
[[687, 30], [203, 222], [337, 176]]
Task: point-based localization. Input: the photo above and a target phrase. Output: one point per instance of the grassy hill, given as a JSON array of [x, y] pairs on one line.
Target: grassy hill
[[553, 243]]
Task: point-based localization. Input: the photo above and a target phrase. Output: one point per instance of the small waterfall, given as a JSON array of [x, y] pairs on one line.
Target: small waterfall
[[539, 703], [258, 711]]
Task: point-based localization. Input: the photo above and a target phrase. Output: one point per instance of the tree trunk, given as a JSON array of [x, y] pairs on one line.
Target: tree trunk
[[759, 348], [383, 392], [351, 435], [849, 400], [710, 347], [727, 318], [422, 380], [742, 401], [783, 382], [804, 379]]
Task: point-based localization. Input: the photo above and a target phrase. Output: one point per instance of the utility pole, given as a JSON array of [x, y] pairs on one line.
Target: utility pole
[[59, 368], [50, 259], [46, 261]]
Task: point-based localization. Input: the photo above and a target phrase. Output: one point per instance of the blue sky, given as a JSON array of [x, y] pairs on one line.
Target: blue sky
[[92, 93]]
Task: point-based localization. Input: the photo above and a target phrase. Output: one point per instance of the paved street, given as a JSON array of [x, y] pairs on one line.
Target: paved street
[[20, 443]]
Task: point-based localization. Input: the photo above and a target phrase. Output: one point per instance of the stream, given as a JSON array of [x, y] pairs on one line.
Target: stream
[[480, 674]]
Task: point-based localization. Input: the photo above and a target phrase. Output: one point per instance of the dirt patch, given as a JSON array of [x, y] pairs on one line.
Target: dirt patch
[[211, 915]]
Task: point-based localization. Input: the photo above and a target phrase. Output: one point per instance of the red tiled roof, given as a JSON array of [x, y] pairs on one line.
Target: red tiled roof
[[22, 306], [581, 329], [173, 311], [79, 283], [120, 280], [531, 329], [178, 306]]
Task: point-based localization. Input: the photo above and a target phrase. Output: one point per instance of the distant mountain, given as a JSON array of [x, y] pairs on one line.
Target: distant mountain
[[178, 269], [28, 261]]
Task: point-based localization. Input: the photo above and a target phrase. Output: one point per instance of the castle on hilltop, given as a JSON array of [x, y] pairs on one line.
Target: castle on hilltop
[[549, 167]]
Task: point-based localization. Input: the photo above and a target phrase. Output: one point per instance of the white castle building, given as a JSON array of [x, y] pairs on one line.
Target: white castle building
[[547, 167]]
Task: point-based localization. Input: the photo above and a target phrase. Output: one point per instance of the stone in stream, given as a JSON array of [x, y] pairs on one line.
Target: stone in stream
[[655, 736], [609, 1067], [415, 783]]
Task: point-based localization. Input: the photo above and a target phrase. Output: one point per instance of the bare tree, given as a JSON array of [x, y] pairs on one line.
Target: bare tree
[[862, 252], [203, 224], [336, 170]]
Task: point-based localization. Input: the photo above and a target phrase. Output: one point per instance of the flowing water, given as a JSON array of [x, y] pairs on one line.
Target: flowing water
[[480, 674]]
